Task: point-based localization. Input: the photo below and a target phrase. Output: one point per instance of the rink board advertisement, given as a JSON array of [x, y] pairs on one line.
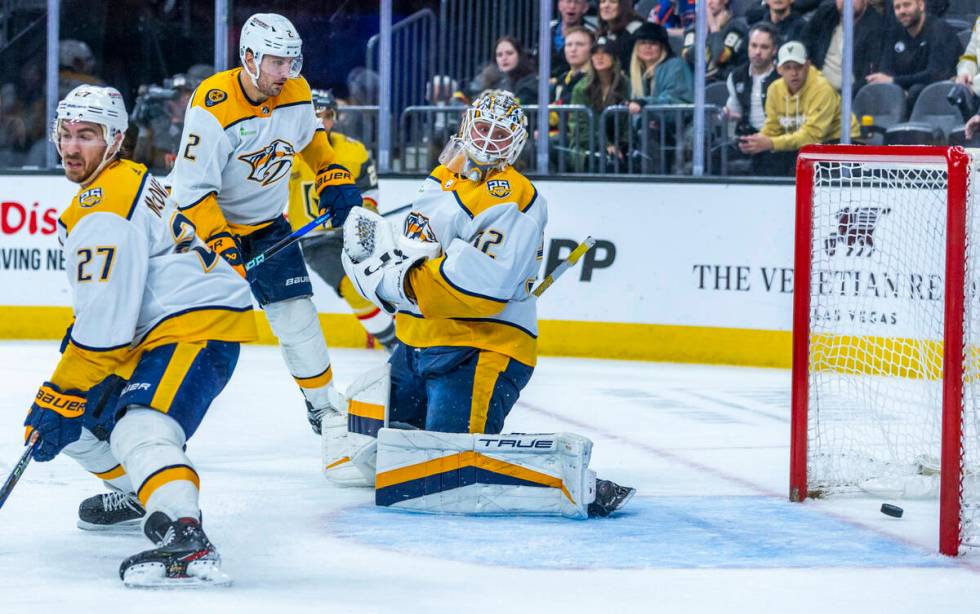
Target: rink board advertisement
[[681, 272]]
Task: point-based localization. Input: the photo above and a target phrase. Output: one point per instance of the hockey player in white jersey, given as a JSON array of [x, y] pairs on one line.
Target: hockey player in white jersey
[[459, 277], [154, 306], [242, 130]]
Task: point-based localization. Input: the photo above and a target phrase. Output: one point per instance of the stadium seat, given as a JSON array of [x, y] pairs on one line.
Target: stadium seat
[[676, 43], [716, 93], [958, 24], [964, 36], [885, 103], [915, 133], [958, 137], [933, 113]]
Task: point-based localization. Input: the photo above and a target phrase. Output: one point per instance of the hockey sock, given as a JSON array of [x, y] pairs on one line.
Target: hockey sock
[[304, 349], [95, 456], [150, 445]]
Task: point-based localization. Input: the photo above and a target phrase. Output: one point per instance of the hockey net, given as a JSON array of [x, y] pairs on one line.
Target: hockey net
[[886, 387]]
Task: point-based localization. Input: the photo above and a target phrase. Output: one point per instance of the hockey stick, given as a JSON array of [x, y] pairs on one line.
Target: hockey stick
[[298, 234], [564, 265], [18, 471]]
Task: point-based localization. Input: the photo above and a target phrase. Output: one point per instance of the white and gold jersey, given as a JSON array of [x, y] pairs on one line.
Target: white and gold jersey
[[477, 293], [235, 157], [140, 278]]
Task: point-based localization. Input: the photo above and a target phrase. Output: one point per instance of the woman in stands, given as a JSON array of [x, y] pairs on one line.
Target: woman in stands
[[657, 76], [605, 87], [511, 70], [617, 23]]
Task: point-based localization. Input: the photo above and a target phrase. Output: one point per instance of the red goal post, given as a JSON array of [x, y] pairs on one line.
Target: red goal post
[[881, 326]]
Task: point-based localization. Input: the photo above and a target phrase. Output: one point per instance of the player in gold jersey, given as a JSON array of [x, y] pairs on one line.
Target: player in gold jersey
[[321, 247]]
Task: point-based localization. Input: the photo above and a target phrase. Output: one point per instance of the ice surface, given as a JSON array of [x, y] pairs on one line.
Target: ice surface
[[709, 531]]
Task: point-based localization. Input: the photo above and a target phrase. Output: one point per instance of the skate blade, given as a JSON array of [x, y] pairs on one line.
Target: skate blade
[[127, 526], [626, 499], [200, 574]]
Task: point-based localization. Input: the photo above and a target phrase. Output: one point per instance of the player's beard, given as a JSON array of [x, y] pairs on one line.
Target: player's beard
[[78, 169]]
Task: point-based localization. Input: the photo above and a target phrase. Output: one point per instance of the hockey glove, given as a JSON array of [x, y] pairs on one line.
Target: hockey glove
[[226, 246], [337, 193], [57, 417]]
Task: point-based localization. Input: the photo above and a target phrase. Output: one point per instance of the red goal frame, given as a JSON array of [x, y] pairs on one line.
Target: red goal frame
[[956, 161]]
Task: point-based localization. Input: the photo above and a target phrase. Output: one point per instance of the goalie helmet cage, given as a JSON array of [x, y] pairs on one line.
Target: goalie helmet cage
[[886, 348]]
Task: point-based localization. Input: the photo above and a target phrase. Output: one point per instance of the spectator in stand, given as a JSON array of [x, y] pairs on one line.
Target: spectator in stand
[[675, 15], [76, 66], [801, 109], [920, 49], [966, 70], [725, 44], [823, 37], [760, 9], [160, 118], [657, 76], [749, 83], [617, 23], [605, 86], [571, 15], [789, 23], [512, 70], [578, 60]]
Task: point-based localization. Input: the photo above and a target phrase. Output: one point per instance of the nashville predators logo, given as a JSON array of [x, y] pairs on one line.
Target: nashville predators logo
[[417, 227], [90, 198], [271, 163], [214, 97], [499, 188]]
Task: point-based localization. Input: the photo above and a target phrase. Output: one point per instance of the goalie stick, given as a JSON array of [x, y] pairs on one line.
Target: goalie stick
[[564, 265], [18, 470]]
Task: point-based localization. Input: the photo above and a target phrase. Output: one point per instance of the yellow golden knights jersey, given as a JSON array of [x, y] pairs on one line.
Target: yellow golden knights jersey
[[235, 156], [140, 278], [304, 205], [477, 294]]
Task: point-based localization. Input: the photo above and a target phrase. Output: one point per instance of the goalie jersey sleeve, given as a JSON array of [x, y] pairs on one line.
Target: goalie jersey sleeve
[[477, 293], [140, 278]]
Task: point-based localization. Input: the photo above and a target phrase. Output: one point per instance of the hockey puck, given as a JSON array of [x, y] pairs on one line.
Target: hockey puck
[[891, 510]]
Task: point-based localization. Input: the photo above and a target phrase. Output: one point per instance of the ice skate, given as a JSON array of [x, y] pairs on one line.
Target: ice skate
[[609, 497], [110, 511], [184, 557]]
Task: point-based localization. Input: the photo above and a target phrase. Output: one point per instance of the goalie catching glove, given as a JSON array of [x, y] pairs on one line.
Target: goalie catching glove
[[378, 261], [337, 193], [57, 417]]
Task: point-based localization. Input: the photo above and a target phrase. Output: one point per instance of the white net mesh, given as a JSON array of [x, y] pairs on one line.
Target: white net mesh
[[970, 486], [876, 326], [876, 332]]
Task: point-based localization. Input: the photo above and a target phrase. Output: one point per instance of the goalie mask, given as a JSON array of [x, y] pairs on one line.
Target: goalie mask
[[492, 136], [270, 34], [98, 105]]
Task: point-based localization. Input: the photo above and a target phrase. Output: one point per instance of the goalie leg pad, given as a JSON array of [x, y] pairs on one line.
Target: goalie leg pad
[[425, 471], [349, 437]]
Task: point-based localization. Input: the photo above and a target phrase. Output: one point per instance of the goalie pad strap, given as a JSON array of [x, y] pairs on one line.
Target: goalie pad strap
[[427, 471]]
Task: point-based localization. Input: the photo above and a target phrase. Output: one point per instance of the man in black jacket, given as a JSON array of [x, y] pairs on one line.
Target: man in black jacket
[[824, 40], [919, 50], [725, 42]]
